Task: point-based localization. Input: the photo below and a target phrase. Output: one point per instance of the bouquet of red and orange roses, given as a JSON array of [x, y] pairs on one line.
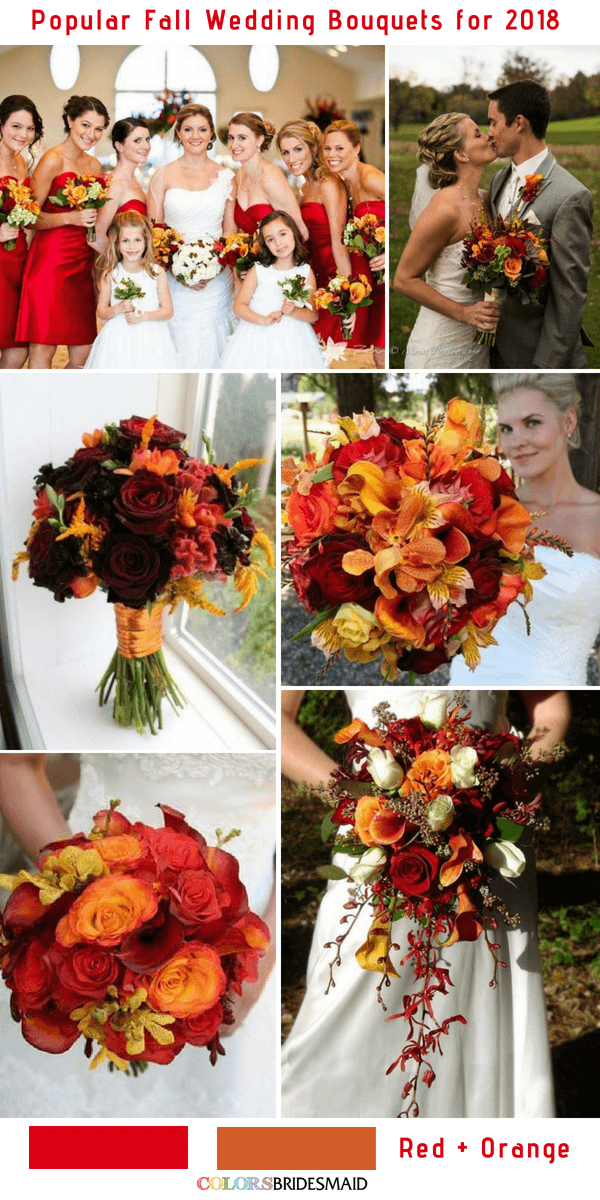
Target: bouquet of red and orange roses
[[367, 235], [408, 544], [166, 242], [82, 191], [17, 205], [135, 515], [433, 808], [238, 250], [133, 938], [342, 296]]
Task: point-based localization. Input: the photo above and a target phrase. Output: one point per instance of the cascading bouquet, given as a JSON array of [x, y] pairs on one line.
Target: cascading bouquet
[[196, 262], [366, 234], [132, 513], [506, 255], [296, 290], [238, 250], [408, 544], [433, 808], [342, 296], [133, 938], [166, 242], [18, 206], [82, 191]]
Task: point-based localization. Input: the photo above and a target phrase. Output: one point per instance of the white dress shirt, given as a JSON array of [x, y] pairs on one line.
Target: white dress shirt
[[516, 180]]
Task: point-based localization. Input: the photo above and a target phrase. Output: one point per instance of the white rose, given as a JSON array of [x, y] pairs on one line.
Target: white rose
[[464, 758], [440, 813], [385, 772], [368, 866], [433, 710], [506, 858]]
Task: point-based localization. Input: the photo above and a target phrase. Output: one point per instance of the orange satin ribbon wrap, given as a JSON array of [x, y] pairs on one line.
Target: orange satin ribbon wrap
[[139, 633]]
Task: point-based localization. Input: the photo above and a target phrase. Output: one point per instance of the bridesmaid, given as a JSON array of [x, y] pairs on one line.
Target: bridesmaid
[[20, 128], [131, 142], [259, 187], [58, 306], [366, 185], [324, 207]]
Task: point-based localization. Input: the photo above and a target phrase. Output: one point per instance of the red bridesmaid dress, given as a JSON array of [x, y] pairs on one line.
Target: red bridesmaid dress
[[12, 266], [138, 206], [373, 330], [58, 306], [248, 219], [323, 264]]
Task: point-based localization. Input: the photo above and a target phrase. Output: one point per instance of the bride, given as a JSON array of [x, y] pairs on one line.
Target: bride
[[537, 422], [456, 152], [226, 790], [498, 1064], [190, 195]]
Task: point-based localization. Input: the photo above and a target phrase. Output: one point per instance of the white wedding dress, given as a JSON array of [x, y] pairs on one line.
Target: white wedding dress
[[202, 321], [498, 1065], [226, 790], [565, 619], [437, 341]]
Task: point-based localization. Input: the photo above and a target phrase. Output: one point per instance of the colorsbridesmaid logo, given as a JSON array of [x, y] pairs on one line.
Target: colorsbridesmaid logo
[[279, 1183]]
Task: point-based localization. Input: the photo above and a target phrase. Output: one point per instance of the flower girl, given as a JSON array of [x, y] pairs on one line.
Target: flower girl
[[275, 305], [133, 290]]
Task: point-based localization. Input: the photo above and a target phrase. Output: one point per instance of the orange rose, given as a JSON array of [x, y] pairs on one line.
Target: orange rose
[[77, 194], [512, 267], [357, 292], [376, 824], [107, 911], [312, 516], [189, 983], [430, 774], [380, 234], [122, 852]]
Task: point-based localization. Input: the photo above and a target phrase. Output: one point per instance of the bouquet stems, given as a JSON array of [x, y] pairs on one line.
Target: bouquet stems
[[487, 337], [346, 323], [91, 234], [138, 672]]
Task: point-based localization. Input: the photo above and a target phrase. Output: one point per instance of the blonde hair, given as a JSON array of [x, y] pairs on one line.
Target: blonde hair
[[559, 390], [259, 126], [111, 257], [310, 134], [437, 146]]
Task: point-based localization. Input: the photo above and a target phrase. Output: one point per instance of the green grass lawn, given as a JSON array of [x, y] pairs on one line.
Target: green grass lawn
[[578, 160], [583, 132]]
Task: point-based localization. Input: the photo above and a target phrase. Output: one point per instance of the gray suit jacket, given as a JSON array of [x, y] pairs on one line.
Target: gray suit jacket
[[550, 336]]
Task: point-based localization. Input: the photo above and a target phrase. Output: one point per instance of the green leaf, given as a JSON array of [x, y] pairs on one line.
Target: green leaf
[[109, 464], [324, 473], [328, 829], [316, 621], [331, 873], [51, 494], [210, 454], [509, 831]]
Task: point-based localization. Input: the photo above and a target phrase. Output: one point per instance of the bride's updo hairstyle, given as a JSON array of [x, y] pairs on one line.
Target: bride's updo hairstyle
[[559, 390], [438, 145], [195, 110], [310, 134], [257, 125], [76, 106]]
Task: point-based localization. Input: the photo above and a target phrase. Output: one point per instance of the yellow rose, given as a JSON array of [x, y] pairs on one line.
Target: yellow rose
[[77, 194], [360, 633], [380, 234]]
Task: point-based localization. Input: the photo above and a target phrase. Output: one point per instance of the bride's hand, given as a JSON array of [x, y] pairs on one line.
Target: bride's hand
[[484, 315], [198, 287]]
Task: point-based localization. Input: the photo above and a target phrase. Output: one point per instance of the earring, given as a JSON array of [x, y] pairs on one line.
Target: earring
[[571, 440]]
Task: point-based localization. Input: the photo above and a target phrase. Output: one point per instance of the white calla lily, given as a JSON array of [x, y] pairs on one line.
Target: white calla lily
[[506, 858]]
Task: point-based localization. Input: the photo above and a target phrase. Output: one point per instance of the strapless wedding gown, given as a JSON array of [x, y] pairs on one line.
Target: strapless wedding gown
[[202, 321], [565, 618], [498, 1065], [438, 341], [226, 790]]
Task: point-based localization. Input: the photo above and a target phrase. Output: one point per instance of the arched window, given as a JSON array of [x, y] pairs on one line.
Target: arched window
[[149, 70]]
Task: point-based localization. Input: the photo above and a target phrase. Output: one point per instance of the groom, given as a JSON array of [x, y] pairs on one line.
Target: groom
[[551, 335]]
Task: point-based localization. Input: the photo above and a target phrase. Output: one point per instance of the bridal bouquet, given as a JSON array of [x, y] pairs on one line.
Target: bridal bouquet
[[166, 242], [133, 514], [366, 234], [505, 256], [82, 191], [295, 289], [17, 205], [238, 250], [196, 262], [408, 544], [433, 810], [342, 296], [134, 938]]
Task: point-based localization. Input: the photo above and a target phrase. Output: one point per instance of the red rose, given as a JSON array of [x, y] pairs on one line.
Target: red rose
[[414, 871], [164, 437], [175, 851], [147, 503], [320, 580], [482, 495], [232, 894], [311, 516], [201, 1030], [540, 277], [381, 450], [133, 570], [195, 902], [87, 970], [485, 568]]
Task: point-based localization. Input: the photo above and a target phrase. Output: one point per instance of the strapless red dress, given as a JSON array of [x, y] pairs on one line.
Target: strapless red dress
[[133, 206], [58, 306], [323, 264], [248, 219], [12, 265], [373, 331]]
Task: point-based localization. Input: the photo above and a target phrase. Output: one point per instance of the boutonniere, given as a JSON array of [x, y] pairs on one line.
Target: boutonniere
[[530, 188]]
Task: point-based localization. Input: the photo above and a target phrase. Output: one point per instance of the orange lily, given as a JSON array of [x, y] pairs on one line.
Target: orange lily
[[463, 850]]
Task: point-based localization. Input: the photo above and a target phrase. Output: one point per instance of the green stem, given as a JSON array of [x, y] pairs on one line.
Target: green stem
[[140, 686]]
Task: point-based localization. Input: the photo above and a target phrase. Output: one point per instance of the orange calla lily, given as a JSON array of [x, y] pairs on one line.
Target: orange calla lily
[[357, 728], [400, 624], [463, 850], [512, 524], [468, 926], [373, 955]]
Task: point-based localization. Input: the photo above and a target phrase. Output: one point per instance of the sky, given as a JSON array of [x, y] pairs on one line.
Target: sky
[[442, 67]]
